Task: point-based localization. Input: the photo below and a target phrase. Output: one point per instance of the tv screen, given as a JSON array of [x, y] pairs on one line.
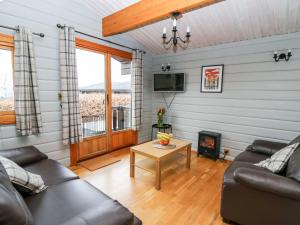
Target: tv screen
[[171, 82]]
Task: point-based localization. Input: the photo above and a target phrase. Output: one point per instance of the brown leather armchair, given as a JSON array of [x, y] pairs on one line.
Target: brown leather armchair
[[254, 196]]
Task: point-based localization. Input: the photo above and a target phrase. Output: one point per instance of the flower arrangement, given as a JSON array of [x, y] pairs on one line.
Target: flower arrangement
[[160, 117]]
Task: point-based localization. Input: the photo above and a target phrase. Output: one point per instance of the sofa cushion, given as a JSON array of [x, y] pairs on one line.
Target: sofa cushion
[[24, 155], [77, 202], [293, 166], [229, 173], [266, 147], [268, 182], [51, 171], [23, 180], [278, 161], [250, 157], [13, 209]]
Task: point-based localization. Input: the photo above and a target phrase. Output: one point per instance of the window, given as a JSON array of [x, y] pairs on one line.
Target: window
[[7, 114], [6, 81], [121, 93], [91, 82]]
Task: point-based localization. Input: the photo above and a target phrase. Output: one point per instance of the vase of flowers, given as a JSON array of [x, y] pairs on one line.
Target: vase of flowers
[[160, 117]]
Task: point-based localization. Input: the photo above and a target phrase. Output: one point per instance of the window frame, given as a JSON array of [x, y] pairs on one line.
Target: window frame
[[7, 43]]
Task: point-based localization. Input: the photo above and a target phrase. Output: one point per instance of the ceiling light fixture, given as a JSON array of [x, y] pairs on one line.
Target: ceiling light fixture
[[176, 39]]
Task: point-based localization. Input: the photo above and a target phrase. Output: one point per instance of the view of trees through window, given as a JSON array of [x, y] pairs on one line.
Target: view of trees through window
[[91, 81], [6, 81]]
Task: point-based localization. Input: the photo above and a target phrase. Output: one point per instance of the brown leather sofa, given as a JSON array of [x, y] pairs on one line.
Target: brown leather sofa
[[254, 196], [68, 200]]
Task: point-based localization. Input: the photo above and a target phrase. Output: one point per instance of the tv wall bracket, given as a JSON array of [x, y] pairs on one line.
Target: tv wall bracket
[[168, 105]]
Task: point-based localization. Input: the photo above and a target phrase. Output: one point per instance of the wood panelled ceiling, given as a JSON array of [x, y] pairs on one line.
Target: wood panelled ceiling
[[225, 22]]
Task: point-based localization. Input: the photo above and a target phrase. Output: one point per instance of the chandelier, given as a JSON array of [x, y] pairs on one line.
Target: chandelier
[[176, 39]]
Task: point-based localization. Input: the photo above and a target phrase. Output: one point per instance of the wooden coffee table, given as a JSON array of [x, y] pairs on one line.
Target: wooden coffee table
[[147, 149]]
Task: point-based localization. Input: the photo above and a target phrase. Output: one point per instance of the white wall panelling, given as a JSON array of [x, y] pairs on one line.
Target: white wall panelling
[[42, 16], [260, 99]]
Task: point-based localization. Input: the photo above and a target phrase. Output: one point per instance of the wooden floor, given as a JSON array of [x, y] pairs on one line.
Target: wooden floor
[[187, 197]]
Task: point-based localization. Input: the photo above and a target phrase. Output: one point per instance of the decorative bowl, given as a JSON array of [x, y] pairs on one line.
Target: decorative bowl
[[164, 142]]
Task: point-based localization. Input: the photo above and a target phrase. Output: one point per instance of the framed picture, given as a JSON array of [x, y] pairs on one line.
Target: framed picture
[[212, 78]]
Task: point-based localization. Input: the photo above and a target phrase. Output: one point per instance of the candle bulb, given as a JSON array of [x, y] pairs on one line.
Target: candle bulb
[[164, 30], [174, 23], [188, 29]]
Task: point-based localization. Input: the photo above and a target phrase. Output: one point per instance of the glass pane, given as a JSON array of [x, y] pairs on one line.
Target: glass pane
[[121, 93], [91, 82], [6, 81]]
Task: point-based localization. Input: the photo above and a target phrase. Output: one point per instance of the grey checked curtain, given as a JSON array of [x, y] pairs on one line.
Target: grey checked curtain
[[27, 104], [72, 132], [137, 89]]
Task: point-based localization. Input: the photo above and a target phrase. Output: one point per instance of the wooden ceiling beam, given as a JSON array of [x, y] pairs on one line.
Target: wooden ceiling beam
[[146, 12]]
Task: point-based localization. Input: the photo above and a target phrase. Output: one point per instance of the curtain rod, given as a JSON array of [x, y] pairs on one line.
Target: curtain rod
[[101, 39], [16, 29]]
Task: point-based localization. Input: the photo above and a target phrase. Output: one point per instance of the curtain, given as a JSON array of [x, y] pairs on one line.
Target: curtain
[[137, 89], [71, 119], [27, 104]]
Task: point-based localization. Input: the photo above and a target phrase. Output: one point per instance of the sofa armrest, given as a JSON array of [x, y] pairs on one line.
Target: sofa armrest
[[268, 182], [24, 155], [266, 147]]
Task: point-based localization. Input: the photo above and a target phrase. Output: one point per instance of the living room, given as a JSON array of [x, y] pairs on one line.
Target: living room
[[149, 112]]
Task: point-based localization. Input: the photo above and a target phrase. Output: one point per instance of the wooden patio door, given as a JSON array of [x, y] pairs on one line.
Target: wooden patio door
[[105, 103]]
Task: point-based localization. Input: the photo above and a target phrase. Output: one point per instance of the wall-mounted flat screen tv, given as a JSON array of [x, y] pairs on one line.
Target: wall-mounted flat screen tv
[[169, 82]]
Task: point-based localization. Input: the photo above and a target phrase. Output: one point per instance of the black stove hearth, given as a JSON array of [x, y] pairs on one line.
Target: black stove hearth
[[209, 144]]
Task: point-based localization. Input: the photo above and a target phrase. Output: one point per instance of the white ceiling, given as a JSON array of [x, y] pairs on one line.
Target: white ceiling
[[224, 22]]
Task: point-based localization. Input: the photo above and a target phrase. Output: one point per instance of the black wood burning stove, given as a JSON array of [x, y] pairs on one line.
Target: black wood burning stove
[[209, 144]]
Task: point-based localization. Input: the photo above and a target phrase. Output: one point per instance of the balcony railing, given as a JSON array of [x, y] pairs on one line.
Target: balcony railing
[[95, 124], [121, 118]]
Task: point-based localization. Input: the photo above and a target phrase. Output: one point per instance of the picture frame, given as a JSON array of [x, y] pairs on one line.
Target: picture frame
[[212, 78]]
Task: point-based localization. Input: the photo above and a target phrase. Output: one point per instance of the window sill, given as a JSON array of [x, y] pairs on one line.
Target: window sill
[[7, 118]]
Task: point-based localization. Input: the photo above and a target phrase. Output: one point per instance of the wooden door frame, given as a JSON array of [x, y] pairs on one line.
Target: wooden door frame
[[108, 52], [108, 100], [92, 46]]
